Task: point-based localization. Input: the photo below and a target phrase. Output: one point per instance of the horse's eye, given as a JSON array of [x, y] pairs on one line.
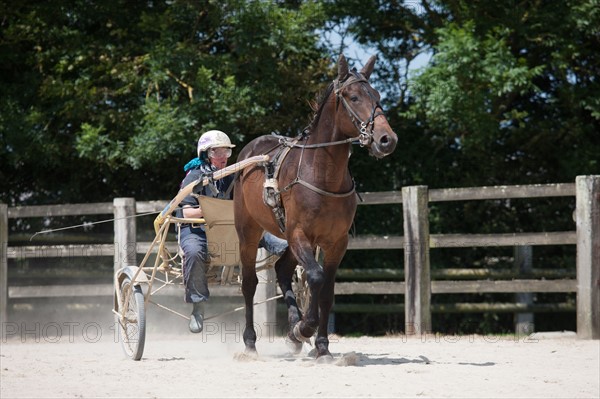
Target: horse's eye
[[354, 99]]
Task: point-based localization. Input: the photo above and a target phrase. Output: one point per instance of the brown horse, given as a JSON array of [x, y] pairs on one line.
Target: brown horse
[[312, 199]]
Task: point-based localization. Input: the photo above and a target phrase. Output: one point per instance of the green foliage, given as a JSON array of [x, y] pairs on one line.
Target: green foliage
[[105, 91], [510, 96], [464, 92], [162, 130]]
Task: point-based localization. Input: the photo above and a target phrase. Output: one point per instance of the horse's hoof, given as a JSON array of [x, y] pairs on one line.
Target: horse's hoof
[[298, 335], [293, 344], [247, 356], [325, 359], [251, 352]]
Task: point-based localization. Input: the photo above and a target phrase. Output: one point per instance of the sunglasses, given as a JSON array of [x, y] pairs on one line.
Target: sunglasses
[[221, 152]]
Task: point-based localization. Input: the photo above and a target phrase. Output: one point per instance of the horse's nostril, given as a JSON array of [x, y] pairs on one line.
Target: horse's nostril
[[384, 140]]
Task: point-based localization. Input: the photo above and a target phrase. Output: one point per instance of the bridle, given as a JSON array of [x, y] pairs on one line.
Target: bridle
[[365, 138], [365, 128]]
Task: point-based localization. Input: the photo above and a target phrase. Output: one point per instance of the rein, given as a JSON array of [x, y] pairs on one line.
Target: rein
[[287, 142]]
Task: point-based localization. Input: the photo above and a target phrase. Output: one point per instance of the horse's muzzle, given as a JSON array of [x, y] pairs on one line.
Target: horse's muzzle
[[384, 144], [384, 139]]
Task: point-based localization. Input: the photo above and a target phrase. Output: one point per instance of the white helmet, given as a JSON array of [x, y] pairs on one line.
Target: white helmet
[[213, 139]]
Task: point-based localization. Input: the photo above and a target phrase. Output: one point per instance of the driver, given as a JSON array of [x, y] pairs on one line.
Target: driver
[[214, 150]]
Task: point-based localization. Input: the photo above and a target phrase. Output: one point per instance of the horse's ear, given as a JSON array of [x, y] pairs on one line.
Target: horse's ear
[[368, 68], [342, 68]]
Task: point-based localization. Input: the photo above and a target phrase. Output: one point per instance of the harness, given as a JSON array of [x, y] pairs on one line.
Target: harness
[[271, 192]]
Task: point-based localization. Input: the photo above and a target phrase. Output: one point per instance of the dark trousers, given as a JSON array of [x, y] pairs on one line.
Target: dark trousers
[[273, 244], [195, 264], [196, 260]]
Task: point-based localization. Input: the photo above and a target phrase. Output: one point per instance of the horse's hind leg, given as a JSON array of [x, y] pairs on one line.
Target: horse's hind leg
[[285, 268], [249, 283], [248, 249]]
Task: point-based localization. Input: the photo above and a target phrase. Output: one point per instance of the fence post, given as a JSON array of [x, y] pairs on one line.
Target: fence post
[[125, 231], [417, 298], [265, 313], [3, 266], [588, 256], [524, 322]]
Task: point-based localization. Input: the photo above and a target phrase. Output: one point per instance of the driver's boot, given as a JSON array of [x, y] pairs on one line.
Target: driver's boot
[[197, 317]]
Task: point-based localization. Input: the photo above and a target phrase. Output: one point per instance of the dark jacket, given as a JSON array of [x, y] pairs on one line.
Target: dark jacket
[[216, 189]]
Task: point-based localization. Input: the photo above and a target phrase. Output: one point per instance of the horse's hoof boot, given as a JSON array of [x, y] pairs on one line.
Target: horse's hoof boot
[[298, 335]]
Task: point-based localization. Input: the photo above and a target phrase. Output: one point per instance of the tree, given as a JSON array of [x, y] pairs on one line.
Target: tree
[[511, 86], [114, 94], [510, 97]]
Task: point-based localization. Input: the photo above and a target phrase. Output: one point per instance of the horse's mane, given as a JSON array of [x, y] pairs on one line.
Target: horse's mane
[[317, 107], [321, 98]]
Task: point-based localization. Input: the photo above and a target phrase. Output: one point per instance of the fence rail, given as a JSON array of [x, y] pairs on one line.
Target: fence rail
[[417, 286]]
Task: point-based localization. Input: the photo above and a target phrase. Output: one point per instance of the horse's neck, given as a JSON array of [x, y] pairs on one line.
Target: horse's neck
[[331, 141], [329, 163]]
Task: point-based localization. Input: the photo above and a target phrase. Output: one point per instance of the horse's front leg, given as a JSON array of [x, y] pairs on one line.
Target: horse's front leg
[[303, 251], [325, 304], [332, 259]]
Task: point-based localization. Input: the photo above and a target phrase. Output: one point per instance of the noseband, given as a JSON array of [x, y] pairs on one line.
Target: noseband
[[365, 128]]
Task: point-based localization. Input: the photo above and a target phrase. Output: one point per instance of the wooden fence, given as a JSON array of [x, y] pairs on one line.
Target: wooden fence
[[417, 243]]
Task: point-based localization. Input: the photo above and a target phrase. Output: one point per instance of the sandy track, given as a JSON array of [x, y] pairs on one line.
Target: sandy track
[[189, 365]]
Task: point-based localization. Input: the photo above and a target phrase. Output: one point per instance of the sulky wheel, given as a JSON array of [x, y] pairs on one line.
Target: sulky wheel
[[132, 320]]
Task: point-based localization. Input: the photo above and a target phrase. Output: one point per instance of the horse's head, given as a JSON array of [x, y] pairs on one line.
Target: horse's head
[[364, 117]]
